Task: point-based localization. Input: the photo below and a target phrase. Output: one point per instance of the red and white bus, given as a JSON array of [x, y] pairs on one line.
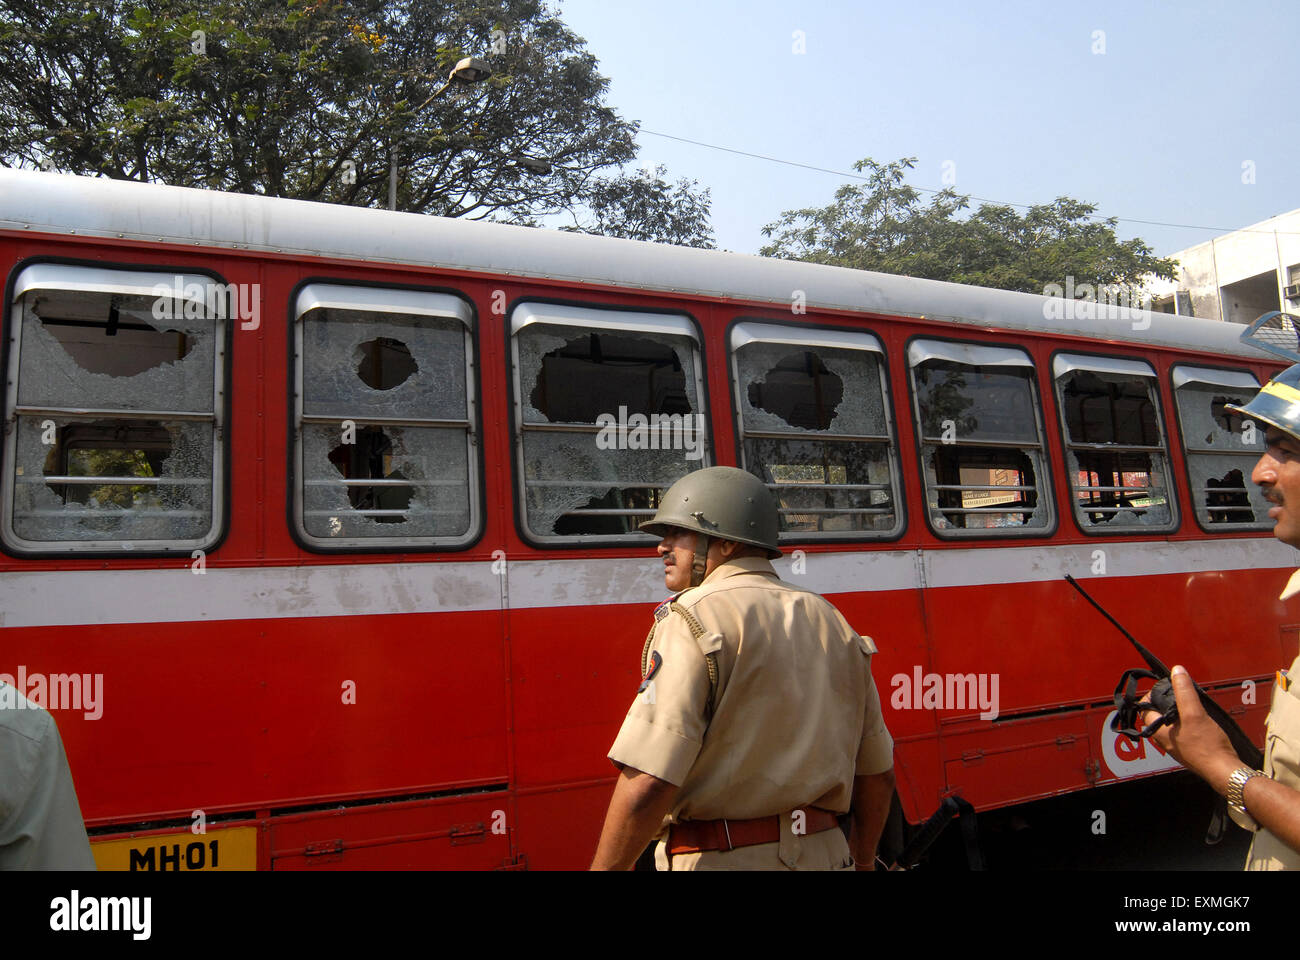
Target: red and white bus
[[319, 523]]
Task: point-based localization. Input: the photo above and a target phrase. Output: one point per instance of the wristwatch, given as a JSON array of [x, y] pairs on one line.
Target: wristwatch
[[1236, 797]]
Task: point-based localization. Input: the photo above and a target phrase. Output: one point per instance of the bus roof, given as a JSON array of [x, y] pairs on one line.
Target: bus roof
[[104, 207]]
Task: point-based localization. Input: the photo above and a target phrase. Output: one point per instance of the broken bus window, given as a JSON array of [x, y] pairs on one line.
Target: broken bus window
[[1221, 447], [609, 416], [384, 426], [1114, 444], [115, 398], [813, 427], [981, 438]]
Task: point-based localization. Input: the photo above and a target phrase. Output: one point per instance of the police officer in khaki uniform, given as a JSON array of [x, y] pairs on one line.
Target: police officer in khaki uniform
[[757, 722], [1266, 801]]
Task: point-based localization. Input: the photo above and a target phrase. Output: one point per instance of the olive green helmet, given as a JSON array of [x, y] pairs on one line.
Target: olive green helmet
[[721, 502]]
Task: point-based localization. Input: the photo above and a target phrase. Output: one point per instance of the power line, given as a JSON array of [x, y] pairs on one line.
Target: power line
[[1000, 203]]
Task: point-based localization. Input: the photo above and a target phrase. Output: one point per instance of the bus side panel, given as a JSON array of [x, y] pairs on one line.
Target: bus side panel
[[1048, 648], [448, 834], [1012, 762], [171, 731], [1052, 655], [246, 714], [386, 704], [918, 775], [559, 827], [575, 672]]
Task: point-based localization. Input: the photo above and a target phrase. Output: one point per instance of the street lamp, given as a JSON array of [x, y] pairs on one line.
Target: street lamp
[[535, 165], [467, 70]]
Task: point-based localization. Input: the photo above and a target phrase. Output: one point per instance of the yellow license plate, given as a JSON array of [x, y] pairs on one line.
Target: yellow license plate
[[231, 849]]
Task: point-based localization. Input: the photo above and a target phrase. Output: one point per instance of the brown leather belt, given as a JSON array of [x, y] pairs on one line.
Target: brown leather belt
[[697, 836]]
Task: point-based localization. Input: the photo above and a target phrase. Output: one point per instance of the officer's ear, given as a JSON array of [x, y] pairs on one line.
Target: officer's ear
[[730, 549]]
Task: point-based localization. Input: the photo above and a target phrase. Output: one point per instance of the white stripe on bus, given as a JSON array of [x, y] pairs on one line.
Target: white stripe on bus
[[84, 597]]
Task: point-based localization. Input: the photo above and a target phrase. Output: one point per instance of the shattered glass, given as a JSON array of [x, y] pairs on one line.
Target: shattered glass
[[166, 364], [567, 471], [808, 394], [964, 405], [121, 508], [1219, 459], [975, 403], [969, 468], [1110, 408], [814, 507], [360, 365], [337, 353], [434, 502], [1118, 410], [532, 344], [568, 376], [777, 377], [145, 480], [1207, 425], [1223, 493], [1119, 508], [571, 376]]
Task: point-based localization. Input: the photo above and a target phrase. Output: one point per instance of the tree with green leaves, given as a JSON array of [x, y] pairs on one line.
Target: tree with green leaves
[[883, 225], [644, 206], [317, 99]]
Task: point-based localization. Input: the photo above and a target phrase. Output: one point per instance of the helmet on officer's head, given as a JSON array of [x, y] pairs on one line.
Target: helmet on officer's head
[[1277, 404], [721, 502]]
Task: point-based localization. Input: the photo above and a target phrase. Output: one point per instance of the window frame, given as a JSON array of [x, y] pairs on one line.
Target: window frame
[[1045, 487], [338, 289], [604, 317], [835, 338], [98, 276], [1188, 452], [1175, 513]]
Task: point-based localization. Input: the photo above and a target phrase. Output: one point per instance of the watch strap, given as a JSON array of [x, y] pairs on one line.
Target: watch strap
[[1236, 796]]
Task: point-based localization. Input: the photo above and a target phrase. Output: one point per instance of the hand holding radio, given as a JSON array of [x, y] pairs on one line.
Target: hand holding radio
[[1193, 737]]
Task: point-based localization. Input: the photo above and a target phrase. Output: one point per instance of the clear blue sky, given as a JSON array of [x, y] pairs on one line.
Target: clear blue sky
[[1010, 93]]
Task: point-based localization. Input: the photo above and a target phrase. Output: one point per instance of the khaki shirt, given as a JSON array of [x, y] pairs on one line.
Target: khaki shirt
[[40, 820], [795, 713], [1281, 758]]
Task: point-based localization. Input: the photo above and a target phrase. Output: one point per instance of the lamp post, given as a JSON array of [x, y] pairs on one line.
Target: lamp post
[[535, 165], [468, 70]]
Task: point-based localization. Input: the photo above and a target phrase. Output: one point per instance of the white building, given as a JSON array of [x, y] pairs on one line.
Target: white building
[[1237, 276]]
